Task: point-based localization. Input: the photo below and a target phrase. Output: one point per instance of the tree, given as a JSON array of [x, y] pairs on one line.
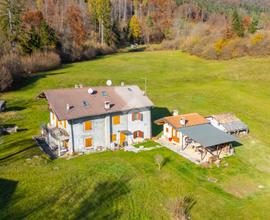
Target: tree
[[237, 24], [76, 25], [135, 28], [37, 34], [253, 27], [159, 160], [10, 21]]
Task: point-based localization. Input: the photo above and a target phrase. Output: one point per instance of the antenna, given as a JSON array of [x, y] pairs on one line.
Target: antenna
[[109, 82], [145, 85], [90, 91]]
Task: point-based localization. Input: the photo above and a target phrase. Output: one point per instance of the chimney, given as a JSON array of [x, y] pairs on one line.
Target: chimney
[[68, 107], [107, 105], [183, 121], [175, 112]]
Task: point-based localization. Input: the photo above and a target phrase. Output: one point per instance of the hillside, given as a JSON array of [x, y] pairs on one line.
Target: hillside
[[123, 185]]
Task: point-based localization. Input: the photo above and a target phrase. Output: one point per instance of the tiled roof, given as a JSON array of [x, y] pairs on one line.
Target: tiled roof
[[82, 103], [191, 120]]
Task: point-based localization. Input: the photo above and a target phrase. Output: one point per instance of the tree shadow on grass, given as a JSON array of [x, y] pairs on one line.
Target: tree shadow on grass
[[7, 189], [157, 113], [31, 79], [21, 153], [101, 203]]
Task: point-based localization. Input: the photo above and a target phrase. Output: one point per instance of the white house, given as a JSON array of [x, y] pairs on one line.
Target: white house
[[97, 118]]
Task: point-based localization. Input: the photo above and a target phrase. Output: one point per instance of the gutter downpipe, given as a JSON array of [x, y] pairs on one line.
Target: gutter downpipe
[[72, 137]]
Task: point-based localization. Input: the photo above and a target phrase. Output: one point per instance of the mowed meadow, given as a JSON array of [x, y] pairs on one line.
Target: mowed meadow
[[124, 185]]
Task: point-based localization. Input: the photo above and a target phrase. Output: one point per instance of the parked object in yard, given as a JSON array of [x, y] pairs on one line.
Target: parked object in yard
[[194, 137], [98, 118], [228, 123], [2, 105]]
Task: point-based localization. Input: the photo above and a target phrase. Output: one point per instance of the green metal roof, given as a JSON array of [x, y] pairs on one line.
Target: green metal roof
[[207, 135]]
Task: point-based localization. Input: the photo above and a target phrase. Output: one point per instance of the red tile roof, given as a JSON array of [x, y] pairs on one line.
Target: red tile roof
[[191, 120]]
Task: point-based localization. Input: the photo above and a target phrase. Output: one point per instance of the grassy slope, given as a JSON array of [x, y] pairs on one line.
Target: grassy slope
[[128, 186]]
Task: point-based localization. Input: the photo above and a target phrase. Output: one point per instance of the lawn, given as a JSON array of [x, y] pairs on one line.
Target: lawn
[[124, 185]]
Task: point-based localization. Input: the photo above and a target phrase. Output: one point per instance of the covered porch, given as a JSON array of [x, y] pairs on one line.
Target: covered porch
[[56, 138], [202, 143]]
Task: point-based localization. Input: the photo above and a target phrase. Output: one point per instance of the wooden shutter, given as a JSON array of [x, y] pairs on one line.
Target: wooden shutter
[[135, 134], [87, 125], [113, 137], [116, 120], [65, 124], [88, 142], [140, 134]]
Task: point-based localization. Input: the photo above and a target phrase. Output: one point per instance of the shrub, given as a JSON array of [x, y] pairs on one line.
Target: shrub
[[5, 78], [14, 67], [40, 62], [12, 63], [257, 38], [219, 45], [159, 160], [103, 49], [180, 208]]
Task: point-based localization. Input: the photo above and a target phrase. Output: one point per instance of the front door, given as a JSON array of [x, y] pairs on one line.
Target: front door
[[122, 138]]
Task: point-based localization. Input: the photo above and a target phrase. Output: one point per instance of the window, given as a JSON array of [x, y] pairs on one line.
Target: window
[[87, 126], [116, 120], [113, 137], [104, 93], [137, 134], [167, 130], [137, 116], [88, 142], [60, 122]]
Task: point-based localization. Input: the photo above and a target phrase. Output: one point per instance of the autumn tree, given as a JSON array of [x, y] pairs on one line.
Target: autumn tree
[[135, 29], [37, 34], [75, 25]]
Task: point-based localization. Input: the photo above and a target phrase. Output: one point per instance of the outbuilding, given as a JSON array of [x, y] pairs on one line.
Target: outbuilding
[[228, 123], [192, 136]]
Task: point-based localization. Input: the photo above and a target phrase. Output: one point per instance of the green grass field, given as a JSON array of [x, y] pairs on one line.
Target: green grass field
[[123, 185]]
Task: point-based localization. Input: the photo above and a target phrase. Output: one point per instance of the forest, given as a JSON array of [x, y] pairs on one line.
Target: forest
[[38, 35]]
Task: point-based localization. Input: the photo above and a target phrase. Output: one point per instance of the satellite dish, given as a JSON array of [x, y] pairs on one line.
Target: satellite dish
[[90, 91], [109, 83]]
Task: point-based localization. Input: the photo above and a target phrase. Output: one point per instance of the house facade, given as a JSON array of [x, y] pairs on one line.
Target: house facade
[[93, 119]]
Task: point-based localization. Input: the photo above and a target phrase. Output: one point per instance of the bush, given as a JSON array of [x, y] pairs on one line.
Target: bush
[[38, 61], [104, 49], [14, 67], [5, 78]]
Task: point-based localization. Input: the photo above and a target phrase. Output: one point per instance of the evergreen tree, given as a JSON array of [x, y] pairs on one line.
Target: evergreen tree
[[254, 25], [10, 21], [237, 24]]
